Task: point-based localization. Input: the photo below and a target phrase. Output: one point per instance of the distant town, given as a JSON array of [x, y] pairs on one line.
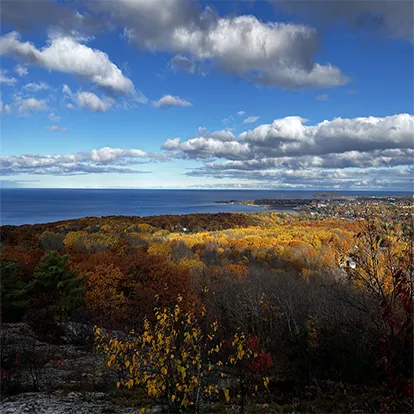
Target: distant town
[[335, 205]]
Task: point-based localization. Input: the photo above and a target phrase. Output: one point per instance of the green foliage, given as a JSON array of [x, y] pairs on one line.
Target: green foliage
[[61, 286], [51, 241], [13, 290]]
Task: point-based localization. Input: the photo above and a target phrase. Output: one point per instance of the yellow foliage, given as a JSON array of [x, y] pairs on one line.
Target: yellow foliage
[[161, 249], [90, 242], [168, 359]]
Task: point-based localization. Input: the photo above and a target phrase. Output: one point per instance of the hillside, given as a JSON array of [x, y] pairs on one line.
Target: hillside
[[258, 312]]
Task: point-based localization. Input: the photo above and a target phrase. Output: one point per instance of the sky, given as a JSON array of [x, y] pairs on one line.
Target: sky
[[278, 94]]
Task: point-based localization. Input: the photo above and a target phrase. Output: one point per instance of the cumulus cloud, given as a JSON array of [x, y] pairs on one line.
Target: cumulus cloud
[[168, 101], [36, 87], [349, 159], [104, 160], [269, 150], [21, 70], [319, 179], [6, 80], [31, 105], [92, 102], [207, 148], [66, 54], [5, 109], [251, 119], [273, 54], [241, 113], [221, 135], [289, 136]]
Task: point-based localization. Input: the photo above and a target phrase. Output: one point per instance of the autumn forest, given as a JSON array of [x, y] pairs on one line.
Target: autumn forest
[[251, 312]]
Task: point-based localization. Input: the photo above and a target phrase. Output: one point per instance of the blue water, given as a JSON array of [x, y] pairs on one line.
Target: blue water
[[30, 206]]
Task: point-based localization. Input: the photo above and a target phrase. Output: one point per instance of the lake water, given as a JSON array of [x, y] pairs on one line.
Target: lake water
[[29, 206]]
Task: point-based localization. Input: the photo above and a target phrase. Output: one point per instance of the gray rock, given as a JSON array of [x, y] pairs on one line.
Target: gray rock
[[59, 403]]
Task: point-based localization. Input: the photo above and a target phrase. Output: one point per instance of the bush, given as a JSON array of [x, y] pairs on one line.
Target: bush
[[178, 360]]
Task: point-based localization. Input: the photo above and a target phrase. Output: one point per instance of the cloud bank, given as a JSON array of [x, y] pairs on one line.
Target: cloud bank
[[337, 152], [104, 160], [273, 54]]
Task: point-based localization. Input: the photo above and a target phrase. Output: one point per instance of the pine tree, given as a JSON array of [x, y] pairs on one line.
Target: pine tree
[[13, 291], [60, 286]]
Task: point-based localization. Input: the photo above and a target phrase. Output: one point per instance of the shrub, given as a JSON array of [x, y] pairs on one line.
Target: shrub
[[176, 361]]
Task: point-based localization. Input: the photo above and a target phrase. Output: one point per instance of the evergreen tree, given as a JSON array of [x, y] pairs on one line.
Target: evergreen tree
[[13, 291], [58, 286]]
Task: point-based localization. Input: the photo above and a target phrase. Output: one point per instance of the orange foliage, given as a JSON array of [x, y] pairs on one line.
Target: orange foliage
[[104, 297], [28, 260]]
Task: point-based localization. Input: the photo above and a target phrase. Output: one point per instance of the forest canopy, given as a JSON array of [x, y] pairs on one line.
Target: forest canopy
[[294, 298]]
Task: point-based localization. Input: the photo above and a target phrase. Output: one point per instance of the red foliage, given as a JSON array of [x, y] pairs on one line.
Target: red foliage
[[397, 348], [263, 360], [27, 259]]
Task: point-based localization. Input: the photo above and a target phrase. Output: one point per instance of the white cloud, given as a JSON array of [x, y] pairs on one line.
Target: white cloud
[[241, 113], [221, 135], [4, 108], [207, 148], [289, 136], [31, 105], [55, 128], [108, 154], [53, 117], [169, 101], [66, 90], [274, 54], [104, 160], [36, 87], [70, 106], [21, 70], [287, 153], [92, 102], [322, 97], [5, 80], [251, 119], [348, 159], [390, 178], [66, 54]]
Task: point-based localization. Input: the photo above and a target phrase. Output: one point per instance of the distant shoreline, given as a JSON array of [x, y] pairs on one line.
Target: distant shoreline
[[29, 206]]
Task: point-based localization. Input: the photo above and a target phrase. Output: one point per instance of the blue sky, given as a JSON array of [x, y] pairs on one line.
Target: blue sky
[[261, 94]]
